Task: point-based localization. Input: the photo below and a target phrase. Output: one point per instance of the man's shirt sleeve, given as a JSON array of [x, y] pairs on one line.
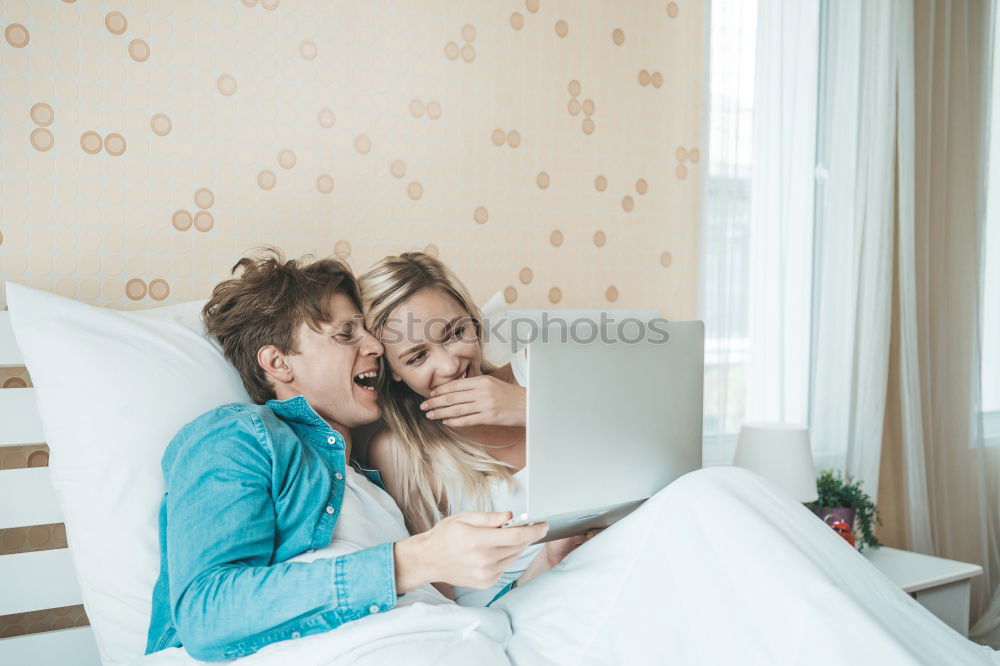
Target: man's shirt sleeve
[[226, 598]]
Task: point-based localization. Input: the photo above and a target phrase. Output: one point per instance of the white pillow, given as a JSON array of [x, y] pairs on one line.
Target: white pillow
[[496, 346], [113, 389]]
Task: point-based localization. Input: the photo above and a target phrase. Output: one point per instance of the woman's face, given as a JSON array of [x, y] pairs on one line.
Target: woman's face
[[431, 340]]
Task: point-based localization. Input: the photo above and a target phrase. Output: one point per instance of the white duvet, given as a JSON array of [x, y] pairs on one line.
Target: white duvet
[[718, 568]]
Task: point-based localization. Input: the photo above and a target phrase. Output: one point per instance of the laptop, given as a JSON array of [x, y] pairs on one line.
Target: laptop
[[609, 424]]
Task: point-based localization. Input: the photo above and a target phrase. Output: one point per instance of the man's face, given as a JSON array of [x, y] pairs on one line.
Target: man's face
[[331, 365]]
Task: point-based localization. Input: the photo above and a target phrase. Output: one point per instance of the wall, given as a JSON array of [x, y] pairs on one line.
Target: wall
[[549, 149]]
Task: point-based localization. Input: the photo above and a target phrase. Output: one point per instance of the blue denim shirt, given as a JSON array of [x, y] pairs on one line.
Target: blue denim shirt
[[248, 487]]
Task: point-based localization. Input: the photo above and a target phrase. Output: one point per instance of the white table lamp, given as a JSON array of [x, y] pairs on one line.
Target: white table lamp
[[780, 453]]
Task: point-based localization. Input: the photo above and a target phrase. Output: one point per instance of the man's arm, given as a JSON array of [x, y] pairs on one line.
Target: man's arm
[[226, 597]]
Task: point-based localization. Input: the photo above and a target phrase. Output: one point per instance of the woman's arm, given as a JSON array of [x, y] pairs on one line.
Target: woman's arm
[[380, 457]]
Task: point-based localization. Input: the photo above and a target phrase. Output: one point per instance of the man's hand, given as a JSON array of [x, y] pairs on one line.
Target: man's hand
[[468, 549], [482, 400]]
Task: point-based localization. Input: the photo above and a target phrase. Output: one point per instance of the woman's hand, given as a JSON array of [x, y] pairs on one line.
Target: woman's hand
[[482, 400], [553, 553]]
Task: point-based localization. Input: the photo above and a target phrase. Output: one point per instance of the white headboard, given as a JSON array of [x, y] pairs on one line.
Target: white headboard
[[34, 580]]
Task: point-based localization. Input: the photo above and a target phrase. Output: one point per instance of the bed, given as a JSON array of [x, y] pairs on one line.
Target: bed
[[112, 388]]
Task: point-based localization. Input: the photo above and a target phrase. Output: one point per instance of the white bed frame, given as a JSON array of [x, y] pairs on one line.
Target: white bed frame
[[44, 579]]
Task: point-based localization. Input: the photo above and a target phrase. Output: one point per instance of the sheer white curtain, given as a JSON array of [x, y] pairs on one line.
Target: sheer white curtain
[[781, 219], [726, 228], [855, 232]]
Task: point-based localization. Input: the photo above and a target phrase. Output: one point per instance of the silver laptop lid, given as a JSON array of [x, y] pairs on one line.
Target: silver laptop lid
[[612, 422]]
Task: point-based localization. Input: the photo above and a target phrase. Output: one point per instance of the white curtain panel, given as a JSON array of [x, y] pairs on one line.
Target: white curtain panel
[[781, 220], [855, 234], [726, 224]]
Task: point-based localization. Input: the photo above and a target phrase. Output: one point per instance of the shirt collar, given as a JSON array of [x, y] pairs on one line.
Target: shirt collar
[[307, 424]]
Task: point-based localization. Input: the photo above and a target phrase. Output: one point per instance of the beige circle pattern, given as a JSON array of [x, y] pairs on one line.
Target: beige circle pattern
[[532, 6], [516, 22], [600, 238], [308, 50], [17, 35], [618, 36], [91, 142], [138, 50], [555, 295], [510, 294], [158, 289], [397, 169], [556, 238], [181, 220], [481, 215], [42, 139], [562, 28], [415, 190], [673, 10], [266, 179], [342, 249], [42, 114], [203, 221], [326, 118], [204, 197], [542, 180], [600, 183], [324, 183], [286, 158], [611, 294], [363, 144], [135, 289], [226, 85], [525, 275], [114, 144], [116, 23], [160, 124]]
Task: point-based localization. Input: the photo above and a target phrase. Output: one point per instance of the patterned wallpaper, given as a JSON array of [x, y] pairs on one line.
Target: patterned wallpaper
[[551, 149]]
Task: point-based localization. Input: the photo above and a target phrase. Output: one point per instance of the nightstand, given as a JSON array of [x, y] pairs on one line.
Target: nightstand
[[941, 586]]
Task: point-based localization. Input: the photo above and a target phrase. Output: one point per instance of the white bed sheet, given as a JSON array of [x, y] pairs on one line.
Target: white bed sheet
[[419, 635], [719, 568]]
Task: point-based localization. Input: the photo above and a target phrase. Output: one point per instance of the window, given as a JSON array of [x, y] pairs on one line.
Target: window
[[726, 241]]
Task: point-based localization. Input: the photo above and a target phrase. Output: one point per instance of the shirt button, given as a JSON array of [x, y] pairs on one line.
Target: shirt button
[[331, 440], [330, 509], [339, 476], [296, 634], [373, 609]]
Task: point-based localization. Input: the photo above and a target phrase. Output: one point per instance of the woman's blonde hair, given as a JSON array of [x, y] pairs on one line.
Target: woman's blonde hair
[[432, 461]]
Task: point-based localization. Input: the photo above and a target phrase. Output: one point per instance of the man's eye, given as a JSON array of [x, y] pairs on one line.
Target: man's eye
[[415, 358], [345, 336]]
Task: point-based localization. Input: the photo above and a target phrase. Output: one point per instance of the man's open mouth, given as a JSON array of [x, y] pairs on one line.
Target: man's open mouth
[[366, 380]]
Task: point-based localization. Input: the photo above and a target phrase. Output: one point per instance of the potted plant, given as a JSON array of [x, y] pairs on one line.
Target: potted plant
[[843, 505]]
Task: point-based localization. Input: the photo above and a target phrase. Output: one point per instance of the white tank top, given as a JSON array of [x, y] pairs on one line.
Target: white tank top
[[504, 499]]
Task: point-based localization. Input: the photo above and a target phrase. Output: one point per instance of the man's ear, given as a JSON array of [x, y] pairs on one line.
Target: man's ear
[[274, 364]]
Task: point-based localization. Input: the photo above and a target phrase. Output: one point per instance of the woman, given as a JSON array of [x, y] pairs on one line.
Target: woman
[[719, 567], [454, 437]]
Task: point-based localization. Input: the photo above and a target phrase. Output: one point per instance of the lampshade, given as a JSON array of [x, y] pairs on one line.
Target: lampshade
[[780, 453]]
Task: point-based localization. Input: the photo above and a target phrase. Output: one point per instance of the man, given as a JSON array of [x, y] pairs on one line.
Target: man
[[254, 489]]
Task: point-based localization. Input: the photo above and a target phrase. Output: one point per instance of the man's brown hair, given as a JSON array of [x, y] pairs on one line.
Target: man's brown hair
[[265, 304]]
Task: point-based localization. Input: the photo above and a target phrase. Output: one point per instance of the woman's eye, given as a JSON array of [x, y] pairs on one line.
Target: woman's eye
[[415, 358]]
